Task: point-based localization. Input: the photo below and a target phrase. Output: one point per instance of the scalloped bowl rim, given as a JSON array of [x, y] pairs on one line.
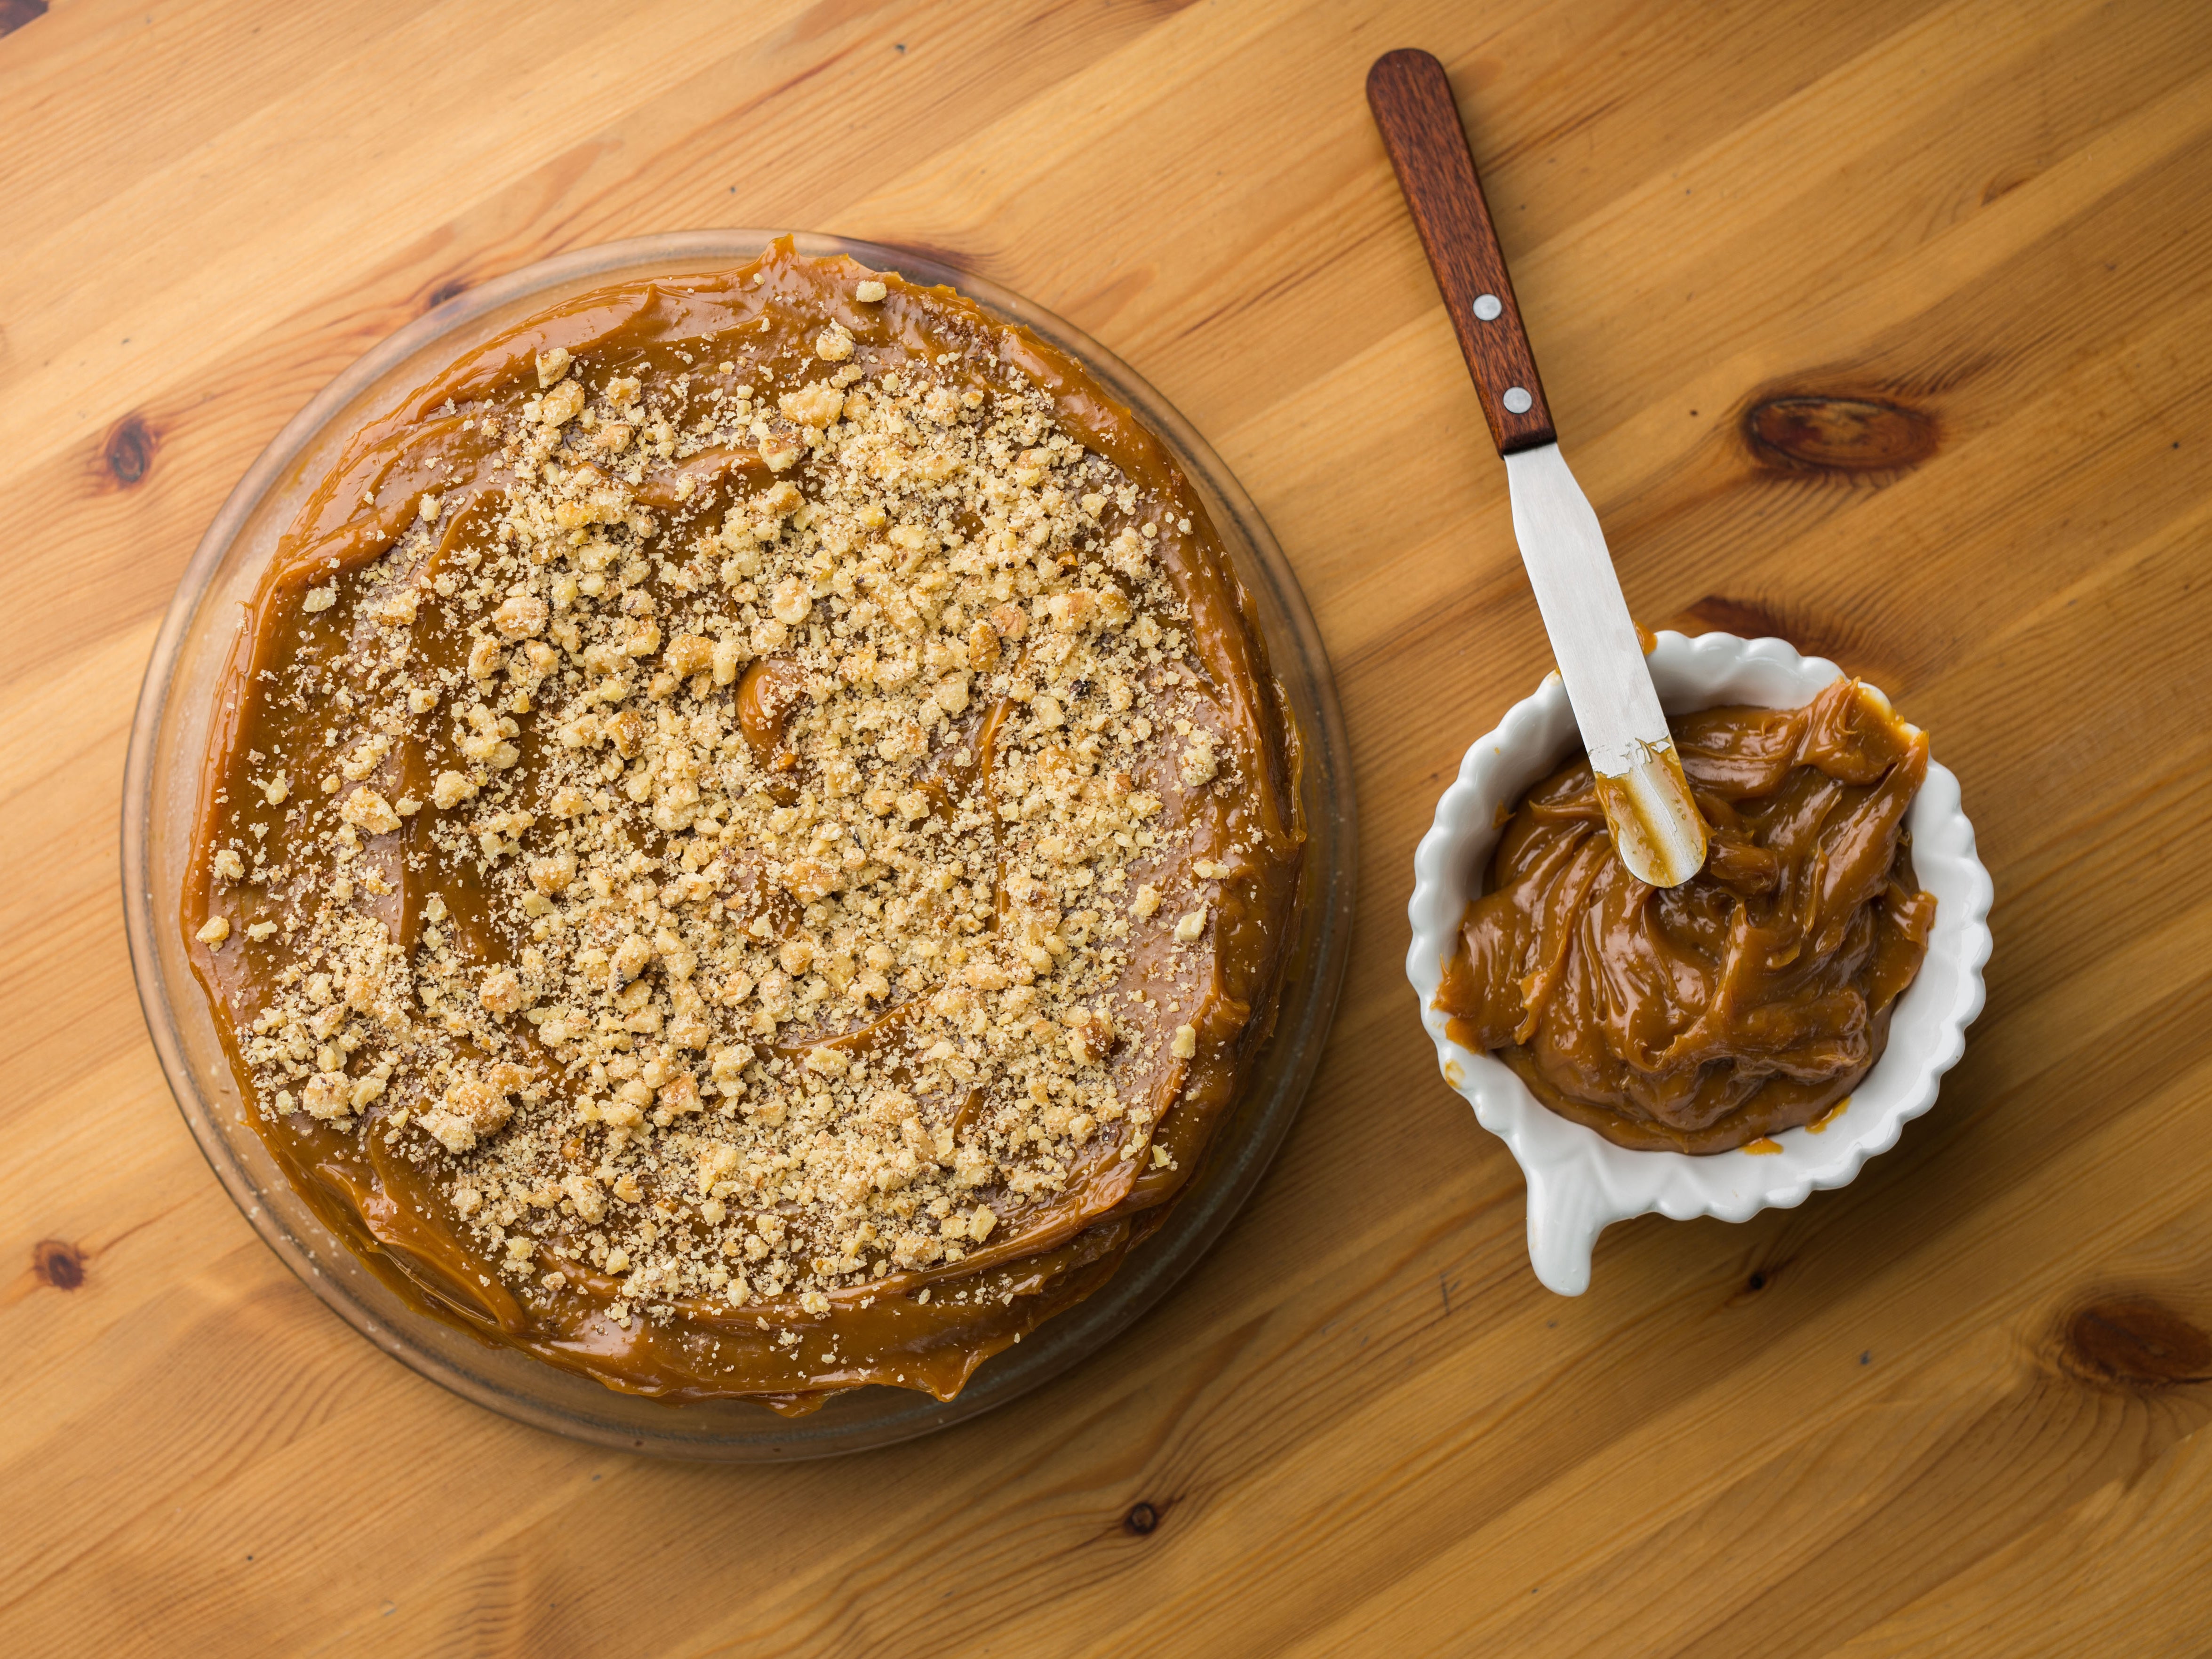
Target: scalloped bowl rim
[[1578, 1182]]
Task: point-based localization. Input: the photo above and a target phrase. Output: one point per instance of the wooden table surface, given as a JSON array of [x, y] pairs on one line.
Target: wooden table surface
[[1960, 1405]]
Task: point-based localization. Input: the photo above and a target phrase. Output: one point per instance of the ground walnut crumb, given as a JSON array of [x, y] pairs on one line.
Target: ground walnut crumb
[[779, 824]]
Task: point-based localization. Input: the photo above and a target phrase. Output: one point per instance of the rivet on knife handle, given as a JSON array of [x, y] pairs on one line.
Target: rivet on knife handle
[[1412, 104]]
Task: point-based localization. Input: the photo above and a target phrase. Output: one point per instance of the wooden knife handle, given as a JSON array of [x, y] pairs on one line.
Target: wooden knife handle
[[1412, 104]]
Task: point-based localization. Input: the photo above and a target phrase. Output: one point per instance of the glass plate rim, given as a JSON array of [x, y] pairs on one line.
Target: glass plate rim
[[1325, 929]]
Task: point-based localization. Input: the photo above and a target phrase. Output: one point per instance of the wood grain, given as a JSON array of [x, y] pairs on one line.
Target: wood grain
[[1884, 326], [1411, 97]]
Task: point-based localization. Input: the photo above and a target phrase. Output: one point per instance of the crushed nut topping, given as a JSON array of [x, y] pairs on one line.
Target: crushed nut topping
[[748, 809]]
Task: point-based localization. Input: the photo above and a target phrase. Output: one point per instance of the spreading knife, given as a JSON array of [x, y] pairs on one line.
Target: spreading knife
[[1655, 825]]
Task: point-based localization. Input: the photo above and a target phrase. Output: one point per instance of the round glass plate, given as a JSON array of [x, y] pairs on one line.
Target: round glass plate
[[169, 739]]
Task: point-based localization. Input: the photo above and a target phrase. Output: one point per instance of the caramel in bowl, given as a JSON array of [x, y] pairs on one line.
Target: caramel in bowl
[[1579, 1179]]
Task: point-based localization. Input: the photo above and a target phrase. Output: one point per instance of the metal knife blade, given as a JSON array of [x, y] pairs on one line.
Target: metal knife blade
[[1592, 639], [1656, 826]]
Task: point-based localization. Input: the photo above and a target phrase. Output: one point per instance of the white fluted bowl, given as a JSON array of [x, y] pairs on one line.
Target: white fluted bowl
[[1579, 1180]]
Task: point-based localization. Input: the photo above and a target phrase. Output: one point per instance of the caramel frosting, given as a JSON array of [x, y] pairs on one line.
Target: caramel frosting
[[1749, 1000], [750, 839]]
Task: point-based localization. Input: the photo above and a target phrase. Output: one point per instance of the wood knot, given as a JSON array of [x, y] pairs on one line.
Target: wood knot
[[1746, 617], [59, 1263], [1760, 1279], [14, 14], [452, 288], [2133, 1342], [1141, 1521], [1855, 642], [1806, 433], [128, 452]]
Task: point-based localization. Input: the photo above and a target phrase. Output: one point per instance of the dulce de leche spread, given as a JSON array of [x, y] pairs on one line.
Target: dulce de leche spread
[[750, 839], [1753, 998]]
